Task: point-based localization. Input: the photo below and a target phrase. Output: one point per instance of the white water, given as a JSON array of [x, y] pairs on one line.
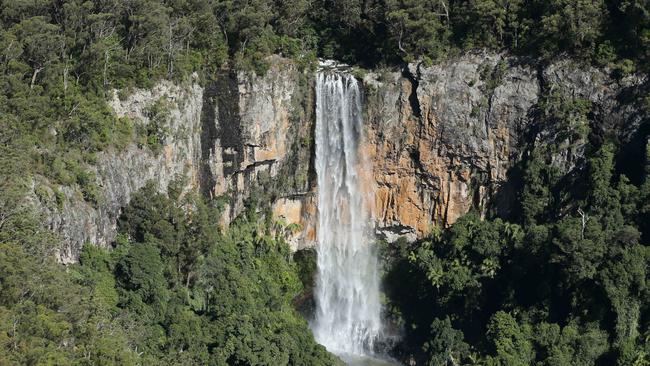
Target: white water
[[348, 313]]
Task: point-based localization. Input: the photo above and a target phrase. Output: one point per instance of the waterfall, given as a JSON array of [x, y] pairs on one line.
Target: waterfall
[[348, 310]]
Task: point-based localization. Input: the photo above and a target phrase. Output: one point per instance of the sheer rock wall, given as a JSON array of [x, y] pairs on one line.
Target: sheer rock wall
[[442, 140]]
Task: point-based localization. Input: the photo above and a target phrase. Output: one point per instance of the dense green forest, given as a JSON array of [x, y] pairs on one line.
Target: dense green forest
[[175, 291], [564, 281]]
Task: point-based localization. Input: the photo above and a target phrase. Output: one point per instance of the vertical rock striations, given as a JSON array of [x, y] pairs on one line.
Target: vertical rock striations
[[220, 139], [443, 139], [119, 174]]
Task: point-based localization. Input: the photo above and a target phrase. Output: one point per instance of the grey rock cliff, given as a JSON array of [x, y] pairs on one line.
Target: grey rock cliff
[[121, 173], [218, 139], [443, 140]]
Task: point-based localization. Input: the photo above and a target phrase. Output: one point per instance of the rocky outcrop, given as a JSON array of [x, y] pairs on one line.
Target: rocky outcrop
[[301, 211], [444, 138], [259, 121], [220, 139], [121, 173]]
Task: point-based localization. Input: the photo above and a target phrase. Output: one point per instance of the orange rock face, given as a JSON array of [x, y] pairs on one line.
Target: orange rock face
[[302, 211], [440, 141]]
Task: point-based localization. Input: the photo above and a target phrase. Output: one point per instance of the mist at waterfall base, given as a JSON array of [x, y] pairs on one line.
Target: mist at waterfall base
[[348, 308]]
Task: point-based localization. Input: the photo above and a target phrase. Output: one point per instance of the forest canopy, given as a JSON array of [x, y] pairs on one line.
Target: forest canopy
[[59, 60], [563, 281]]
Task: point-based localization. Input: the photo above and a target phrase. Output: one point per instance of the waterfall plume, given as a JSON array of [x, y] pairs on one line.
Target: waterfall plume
[[348, 308]]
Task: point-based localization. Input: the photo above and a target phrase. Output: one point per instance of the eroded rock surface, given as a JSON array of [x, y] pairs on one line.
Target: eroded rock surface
[[219, 139], [441, 140]]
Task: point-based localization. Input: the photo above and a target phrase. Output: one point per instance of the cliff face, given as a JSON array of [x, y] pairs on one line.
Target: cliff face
[[252, 130], [442, 140], [457, 139], [119, 174], [218, 139], [445, 138]]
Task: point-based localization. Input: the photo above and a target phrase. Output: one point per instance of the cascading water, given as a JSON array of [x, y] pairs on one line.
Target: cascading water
[[348, 314]]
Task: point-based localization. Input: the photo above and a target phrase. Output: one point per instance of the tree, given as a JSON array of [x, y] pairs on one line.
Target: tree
[[571, 26], [571, 345], [419, 29], [446, 344], [580, 251], [512, 342], [148, 33], [246, 25], [141, 271], [536, 197], [489, 23], [41, 44]]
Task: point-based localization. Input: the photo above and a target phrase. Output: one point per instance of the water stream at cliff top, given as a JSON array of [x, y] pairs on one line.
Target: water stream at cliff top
[[348, 310]]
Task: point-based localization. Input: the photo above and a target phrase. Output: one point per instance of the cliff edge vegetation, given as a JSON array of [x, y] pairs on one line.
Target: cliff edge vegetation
[[559, 278]]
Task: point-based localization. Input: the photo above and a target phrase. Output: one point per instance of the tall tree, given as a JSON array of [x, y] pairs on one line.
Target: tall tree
[[419, 28]]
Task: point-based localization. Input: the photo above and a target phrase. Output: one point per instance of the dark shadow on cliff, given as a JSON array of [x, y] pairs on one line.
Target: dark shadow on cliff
[[415, 82], [631, 158], [220, 121]]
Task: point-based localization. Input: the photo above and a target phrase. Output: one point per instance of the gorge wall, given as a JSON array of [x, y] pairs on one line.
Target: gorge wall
[[238, 130], [446, 138], [443, 140]]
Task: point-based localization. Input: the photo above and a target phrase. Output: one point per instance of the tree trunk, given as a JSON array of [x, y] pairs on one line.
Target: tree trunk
[[170, 52], [36, 71], [66, 69], [585, 218], [444, 7], [105, 72]]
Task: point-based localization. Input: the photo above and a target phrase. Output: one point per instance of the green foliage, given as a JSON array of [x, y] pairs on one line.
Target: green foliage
[[175, 290], [114, 44], [568, 114], [594, 31], [510, 340], [490, 23], [446, 344], [60, 61], [467, 253], [153, 132], [48, 318], [140, 272], [418, 29], [306, 262], [192, 287], [492, 77], [576, 25], [565, 282], [539, 179], [549, 344]]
